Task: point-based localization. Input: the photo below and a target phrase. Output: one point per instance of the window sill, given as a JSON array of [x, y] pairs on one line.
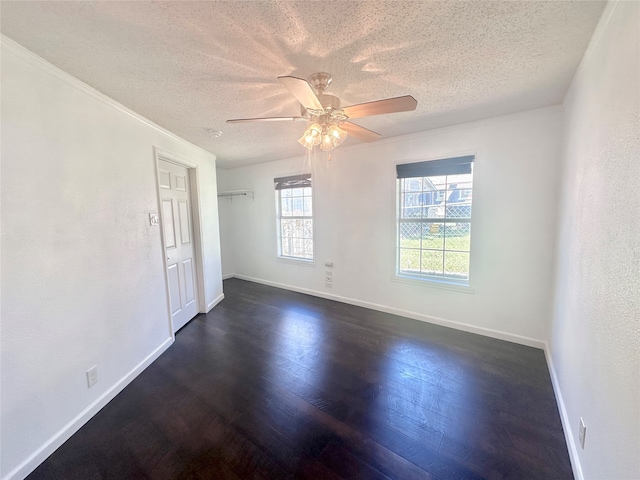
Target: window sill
[[433, 283], [296, 261]]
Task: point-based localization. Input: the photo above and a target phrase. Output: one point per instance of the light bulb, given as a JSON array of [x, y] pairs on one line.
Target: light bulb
[[315, 129], [315, 132], [304, 140], [337, 134], [327, 143]]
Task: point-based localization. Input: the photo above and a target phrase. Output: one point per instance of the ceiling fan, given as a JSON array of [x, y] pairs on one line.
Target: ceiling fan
[[328, 120]]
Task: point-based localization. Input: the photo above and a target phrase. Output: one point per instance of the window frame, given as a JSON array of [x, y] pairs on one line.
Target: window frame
[[425, 279], [280, 256]]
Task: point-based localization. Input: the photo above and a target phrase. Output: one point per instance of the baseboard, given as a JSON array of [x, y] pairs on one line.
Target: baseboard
[[226, 277], [218, 299], [487, 332], [564, 417], [51, 445]]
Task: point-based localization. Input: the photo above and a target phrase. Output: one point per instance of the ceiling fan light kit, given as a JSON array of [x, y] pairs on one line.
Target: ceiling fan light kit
[[328, 137], [328, 122]]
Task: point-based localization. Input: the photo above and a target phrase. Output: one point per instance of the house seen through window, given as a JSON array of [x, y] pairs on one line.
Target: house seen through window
[[434, 220], [294, 205]]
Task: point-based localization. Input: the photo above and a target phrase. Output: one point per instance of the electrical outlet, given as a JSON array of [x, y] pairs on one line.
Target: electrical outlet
[[328, 279], [328, 273], [583, 432], [92, 376]]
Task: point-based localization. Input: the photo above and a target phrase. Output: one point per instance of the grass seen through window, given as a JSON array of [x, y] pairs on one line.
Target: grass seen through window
[[434, 226]]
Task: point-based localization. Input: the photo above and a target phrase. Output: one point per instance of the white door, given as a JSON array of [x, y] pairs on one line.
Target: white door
[[178, 241]]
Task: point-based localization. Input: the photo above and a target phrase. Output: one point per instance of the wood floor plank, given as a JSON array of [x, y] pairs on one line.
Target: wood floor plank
[[275, 384]]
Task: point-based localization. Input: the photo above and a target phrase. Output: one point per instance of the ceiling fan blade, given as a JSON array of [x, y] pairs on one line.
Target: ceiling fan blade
[[359, 132], [389, 105], [303, 92], [267, 119]]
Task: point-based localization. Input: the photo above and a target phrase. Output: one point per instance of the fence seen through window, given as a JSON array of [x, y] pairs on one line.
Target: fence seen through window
[[434, 226]]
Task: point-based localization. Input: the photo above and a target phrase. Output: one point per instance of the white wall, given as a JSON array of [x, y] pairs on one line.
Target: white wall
[[513, 230], [595, 338], [82, 270]]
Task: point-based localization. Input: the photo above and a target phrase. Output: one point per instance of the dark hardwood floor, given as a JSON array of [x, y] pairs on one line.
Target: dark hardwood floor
[[274, 384]]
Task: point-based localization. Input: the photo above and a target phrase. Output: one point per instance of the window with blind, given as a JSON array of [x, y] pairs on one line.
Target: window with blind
[[294, 206], [434, 220]]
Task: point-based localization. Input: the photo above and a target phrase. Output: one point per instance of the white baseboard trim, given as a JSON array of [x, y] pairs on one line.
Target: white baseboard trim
[[487, 332], [51, 445], [218, 299], [564, 417], [225, 277], [566, 424]]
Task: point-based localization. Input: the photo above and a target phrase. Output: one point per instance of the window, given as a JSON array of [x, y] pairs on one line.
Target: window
[[434, 220], [295, 217]]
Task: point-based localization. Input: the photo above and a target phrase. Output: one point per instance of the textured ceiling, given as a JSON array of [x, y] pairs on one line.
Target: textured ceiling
[[189, 66]]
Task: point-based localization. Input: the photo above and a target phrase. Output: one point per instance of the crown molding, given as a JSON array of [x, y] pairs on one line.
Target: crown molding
[[596, 38], [28, 56]]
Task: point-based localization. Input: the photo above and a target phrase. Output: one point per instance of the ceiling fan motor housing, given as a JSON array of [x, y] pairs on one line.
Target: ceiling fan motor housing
[[329, 103], [320, 81]]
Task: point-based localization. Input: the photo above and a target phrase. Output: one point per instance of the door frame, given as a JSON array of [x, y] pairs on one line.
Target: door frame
[[196, 223]]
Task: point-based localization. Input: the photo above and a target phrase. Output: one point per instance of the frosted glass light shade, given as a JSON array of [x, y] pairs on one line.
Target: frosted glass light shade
[[315, 132], [307, 140], [327, 135], [327, 143], [337, 134]]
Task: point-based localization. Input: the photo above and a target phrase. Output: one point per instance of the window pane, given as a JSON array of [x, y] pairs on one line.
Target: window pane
[[287, 227], [433, 236], [430, 197], [286, 207], [462, 210], [456, 264], [432, 262], [297, 247], [285, 192], [465, 178], [410, 234], [286, 246], [434, 211], [457, 207], [413, 199], [412, 184], [308, 248], [306, 191], [409, 260], [297, 206], [307, 231], [307, 206], [435, 183], [458, 237], [412, 207]]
